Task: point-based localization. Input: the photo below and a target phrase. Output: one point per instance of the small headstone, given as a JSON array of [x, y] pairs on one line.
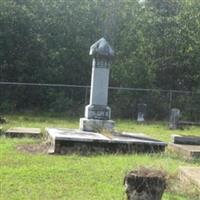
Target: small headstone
[[174, 118], [141, 112], [3, 120], [145, 184], [23, 132], [186, 151], [190, 176], [190, 140]]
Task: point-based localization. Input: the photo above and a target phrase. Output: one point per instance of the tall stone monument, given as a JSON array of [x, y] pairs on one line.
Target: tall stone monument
[[97, 113], [89, 138]]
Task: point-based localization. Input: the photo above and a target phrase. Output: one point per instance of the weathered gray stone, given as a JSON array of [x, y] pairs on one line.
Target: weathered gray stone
[[102, 54], [145, 184], [174, 118], [96, 125], [175, 121], [98, 112], [101, 48], [23, 132], [141, 136], [141, 112], [186, 151], [190, 176], [75, 140], [190, 140]]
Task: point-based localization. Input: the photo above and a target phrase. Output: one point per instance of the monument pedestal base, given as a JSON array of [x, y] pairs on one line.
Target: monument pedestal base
[[95, 125], [99, 112]]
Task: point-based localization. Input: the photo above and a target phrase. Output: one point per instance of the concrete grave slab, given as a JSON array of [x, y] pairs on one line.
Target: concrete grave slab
[[137, 136], [190, 140], [190, 175], [187, 151], [74, 140], [23, 132]]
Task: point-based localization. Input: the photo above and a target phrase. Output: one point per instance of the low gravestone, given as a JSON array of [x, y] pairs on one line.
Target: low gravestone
[[174, 118], [187, 140], [23, 132], [186, 146], [141, 112], [145, 184], [2, 120], [175, 122], [186, 151], [190, 176]]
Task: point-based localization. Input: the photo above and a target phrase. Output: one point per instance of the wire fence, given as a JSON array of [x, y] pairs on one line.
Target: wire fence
[[71, 99]]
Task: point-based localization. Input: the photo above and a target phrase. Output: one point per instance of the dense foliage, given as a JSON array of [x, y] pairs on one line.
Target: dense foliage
[[157, 45]]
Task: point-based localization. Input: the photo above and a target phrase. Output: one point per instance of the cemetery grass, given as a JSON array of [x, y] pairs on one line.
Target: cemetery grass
[[24, 175]]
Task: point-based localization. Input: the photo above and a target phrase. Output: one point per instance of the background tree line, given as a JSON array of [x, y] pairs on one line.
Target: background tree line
[[157, 45]]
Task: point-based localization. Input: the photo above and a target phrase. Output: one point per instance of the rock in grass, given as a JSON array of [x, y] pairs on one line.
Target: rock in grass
[[3, 120]]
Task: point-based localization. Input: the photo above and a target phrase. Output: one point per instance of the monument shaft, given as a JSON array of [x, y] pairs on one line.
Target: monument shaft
[[99, 85]]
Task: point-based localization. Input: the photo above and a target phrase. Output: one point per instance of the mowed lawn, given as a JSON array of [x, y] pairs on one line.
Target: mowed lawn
[[28, 176]]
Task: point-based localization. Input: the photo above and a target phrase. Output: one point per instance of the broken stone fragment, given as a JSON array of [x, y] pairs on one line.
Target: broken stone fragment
[[145, 184]]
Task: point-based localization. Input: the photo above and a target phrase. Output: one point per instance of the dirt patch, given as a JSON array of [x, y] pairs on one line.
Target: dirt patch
[[41, 148]]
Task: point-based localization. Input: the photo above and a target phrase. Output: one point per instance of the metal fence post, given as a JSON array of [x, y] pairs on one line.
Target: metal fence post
[[170, 100], [86, 96]]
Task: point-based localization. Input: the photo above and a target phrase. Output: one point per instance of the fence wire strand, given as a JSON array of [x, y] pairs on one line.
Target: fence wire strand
[[16, 96]]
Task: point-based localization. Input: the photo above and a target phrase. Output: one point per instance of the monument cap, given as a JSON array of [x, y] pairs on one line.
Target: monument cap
[[101, 48]]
